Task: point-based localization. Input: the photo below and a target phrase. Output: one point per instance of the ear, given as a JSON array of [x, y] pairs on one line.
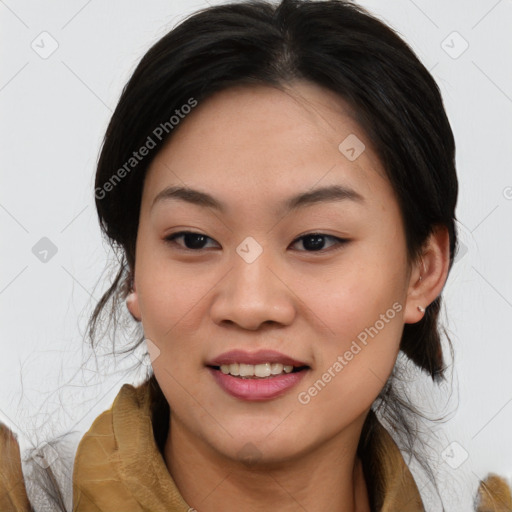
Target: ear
[[132, 303], [428, 275]]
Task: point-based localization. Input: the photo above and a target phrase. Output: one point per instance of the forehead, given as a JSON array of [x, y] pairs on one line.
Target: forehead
[[260, 142]]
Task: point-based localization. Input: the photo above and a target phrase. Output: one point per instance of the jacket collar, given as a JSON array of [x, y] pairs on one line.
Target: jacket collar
[[118, 464], [391, 486]]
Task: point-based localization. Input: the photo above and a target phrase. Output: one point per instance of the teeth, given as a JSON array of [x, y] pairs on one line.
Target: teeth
[[246, 370], [262, 370], [276, 368], [259, 370]]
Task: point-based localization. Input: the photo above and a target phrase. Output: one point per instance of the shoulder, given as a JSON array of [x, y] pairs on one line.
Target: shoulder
[[41, 478], [494, 495], [13, 494], [50, 469]]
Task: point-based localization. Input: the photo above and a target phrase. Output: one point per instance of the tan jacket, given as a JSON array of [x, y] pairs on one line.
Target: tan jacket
[[119, 468]]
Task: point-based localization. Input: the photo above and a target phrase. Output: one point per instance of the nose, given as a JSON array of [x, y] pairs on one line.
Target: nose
[[254, 293]]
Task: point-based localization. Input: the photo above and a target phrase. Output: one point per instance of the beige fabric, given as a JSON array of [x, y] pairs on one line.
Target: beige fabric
[[392, 485], [119, 467], [13, 497], [494, 495]]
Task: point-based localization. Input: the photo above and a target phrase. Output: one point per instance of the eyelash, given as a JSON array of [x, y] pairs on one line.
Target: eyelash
[[339, 241]]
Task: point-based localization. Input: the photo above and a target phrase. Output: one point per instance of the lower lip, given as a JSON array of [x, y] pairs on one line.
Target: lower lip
[[257, 389]]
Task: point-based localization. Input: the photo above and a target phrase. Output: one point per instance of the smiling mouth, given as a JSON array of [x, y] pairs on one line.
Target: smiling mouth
[[258, 371]]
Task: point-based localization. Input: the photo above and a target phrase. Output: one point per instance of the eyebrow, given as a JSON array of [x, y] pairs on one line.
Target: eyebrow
[[318, 195]]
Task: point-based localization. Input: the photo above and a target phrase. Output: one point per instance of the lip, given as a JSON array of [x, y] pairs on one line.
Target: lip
[[259, 357], [257, 389]]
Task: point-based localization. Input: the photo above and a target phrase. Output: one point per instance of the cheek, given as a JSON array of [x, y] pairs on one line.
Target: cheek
[[364, 339], [363, 310], [348, 301], [170, 294], [353, 366]]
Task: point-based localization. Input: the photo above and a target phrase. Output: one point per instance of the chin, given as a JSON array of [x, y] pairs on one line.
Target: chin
[[268, 456], [258, 447]]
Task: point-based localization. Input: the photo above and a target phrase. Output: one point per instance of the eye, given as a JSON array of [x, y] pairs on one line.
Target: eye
[[192, 241], [315, 242]]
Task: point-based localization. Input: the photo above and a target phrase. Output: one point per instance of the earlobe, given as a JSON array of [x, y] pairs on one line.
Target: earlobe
[[132, 303], [428, 275]]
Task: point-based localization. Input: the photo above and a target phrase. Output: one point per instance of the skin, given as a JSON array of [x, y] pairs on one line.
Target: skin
[[252, 147]]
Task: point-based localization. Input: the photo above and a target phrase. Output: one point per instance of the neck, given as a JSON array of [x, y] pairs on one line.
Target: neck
[[329, 478]]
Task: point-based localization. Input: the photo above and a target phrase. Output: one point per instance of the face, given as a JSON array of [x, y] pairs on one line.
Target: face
[[296, 258]]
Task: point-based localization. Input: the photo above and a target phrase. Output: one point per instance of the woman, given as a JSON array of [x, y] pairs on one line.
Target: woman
[[280, 183]]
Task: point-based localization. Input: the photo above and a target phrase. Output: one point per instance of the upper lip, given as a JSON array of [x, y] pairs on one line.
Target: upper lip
[[259, 357]]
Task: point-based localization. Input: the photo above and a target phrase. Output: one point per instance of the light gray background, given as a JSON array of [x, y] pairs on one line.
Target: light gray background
[[54, 112]]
